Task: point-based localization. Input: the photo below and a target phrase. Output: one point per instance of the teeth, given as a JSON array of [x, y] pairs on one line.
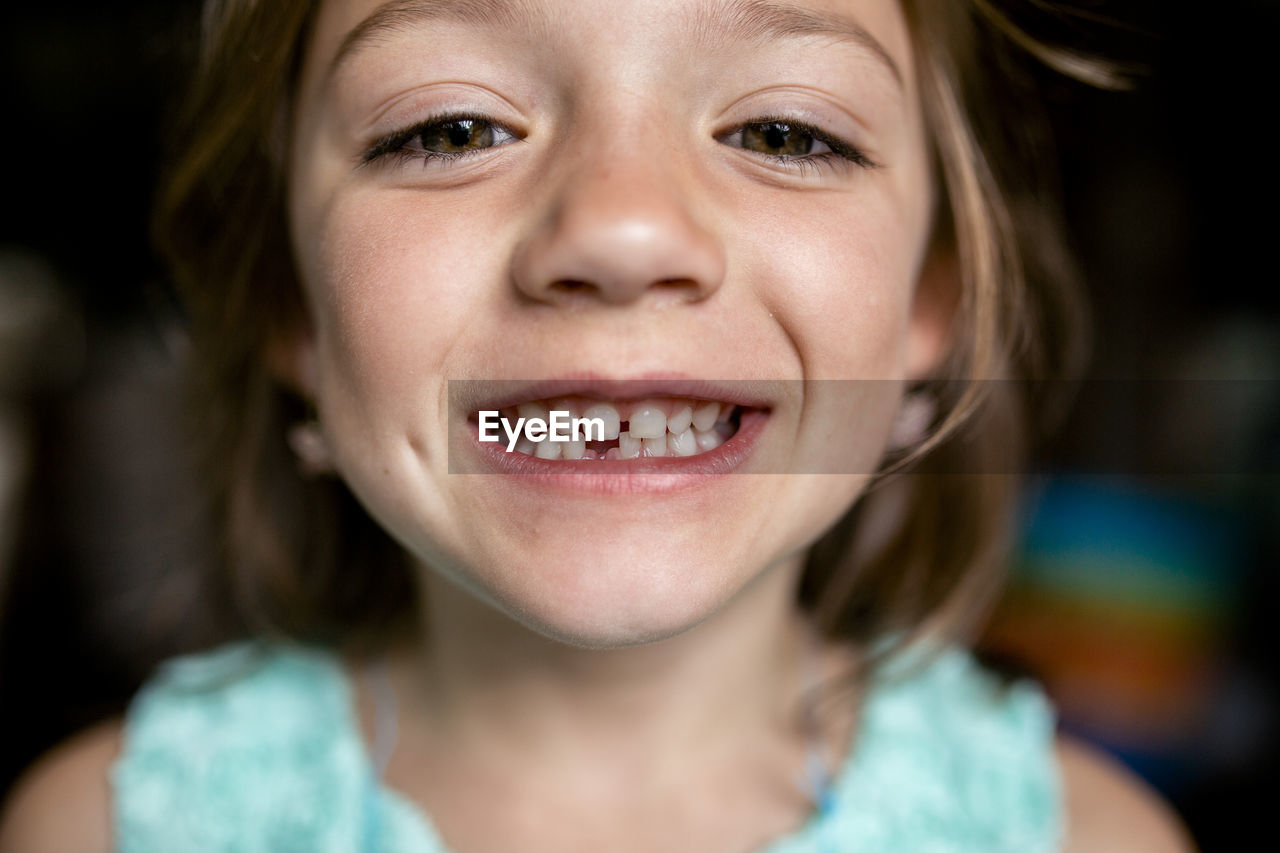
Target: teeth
[[683, 444], [704, 417], [532, 410], [707, 439], [690, 428], [565, 405], [679, 419], [655, 446], [647, 421], [607, 413], [628, 446]]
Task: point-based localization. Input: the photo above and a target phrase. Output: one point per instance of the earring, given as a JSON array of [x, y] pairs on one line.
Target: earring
[[308, 443], [915, 416]]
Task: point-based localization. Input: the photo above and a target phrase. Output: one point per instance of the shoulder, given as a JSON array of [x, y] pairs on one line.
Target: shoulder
[[214, 740], [63, 803], [1110, 809]]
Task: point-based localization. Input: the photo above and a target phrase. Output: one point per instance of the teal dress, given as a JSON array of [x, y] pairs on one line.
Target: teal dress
[[256, 749]]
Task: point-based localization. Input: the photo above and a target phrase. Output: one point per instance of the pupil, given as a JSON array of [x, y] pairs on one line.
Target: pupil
[[776, 136], [459, 133]]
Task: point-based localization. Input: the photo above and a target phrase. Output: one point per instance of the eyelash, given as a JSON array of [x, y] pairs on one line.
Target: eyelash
[[839, 153]]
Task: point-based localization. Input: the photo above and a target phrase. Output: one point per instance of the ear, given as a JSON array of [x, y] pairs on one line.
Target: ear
[[933, 310], [291, 360]]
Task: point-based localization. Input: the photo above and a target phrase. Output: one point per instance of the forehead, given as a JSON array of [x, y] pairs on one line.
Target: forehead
[[346, 29]]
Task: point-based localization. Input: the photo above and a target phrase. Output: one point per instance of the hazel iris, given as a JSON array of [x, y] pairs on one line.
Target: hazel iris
[[457, 136], [777, 138]]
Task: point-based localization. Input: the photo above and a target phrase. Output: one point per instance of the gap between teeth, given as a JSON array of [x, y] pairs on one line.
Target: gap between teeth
[[655, 428]]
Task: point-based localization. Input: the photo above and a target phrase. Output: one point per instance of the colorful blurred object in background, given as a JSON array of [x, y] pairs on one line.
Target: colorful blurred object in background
[[1126, 602]]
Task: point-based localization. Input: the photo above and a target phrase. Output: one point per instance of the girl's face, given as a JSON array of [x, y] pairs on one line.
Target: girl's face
[[586, 193]]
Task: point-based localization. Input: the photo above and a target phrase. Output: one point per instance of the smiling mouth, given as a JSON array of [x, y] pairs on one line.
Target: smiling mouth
[[655, 427]]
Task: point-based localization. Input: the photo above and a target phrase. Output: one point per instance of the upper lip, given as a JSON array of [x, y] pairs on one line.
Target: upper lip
[[473, 395]]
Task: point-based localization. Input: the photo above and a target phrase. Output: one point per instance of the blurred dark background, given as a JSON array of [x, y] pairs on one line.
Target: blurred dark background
[[1145, 593]]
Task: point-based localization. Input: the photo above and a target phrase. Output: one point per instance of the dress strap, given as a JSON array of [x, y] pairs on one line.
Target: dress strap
[[249, 748], [386, 714]]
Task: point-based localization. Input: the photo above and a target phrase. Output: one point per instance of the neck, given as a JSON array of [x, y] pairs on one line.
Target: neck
[[486, 684]]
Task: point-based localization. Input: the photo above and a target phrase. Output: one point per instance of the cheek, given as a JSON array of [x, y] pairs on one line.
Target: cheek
[[392, 284], [838, 277], [395, 286], [859, 309]]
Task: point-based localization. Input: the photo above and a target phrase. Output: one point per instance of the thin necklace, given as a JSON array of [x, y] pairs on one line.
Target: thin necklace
[[386, 715], [818, 780]]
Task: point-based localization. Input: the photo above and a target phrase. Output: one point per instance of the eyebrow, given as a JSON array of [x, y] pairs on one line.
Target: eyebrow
[[763, 20], [398, 16], [717, 22]]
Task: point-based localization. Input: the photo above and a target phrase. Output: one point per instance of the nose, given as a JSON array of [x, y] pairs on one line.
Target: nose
[[619, 228]]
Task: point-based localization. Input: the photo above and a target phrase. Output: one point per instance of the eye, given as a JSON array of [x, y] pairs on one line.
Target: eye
[[443, 138], [780, 140], [457, 136], [794, 144]]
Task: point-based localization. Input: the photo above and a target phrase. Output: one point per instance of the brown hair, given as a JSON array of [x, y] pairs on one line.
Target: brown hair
[[919, 550]]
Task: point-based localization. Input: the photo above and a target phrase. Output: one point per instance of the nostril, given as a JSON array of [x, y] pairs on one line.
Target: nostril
[[568, 285], [676, 283]]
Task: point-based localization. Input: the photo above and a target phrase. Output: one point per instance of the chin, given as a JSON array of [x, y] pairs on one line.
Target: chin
[[612, 593]]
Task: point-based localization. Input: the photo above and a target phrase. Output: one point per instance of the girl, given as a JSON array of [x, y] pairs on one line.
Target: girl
[[734, 231]]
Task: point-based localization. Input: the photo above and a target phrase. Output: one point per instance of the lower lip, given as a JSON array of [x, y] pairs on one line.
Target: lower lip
[[643, 475]]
